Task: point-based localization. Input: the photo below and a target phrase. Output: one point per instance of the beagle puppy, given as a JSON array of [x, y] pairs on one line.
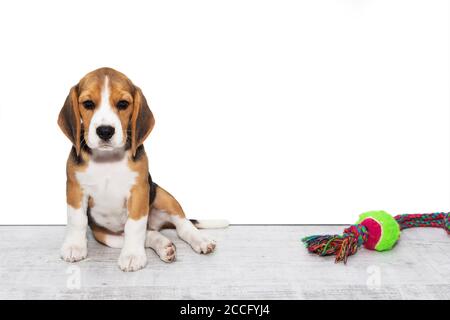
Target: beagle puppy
[[109, 188]]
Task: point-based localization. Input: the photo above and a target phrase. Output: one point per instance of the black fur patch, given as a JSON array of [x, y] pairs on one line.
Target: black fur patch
[[128, 142], [74, 157], [139, 153], [153, 186], [73, 153]]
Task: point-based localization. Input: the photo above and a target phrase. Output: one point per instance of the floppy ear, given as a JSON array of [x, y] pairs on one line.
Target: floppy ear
[[69, 119], [142, 120]]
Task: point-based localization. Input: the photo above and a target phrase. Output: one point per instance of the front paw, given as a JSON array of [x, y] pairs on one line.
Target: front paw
[[72, 252], [132, 261]]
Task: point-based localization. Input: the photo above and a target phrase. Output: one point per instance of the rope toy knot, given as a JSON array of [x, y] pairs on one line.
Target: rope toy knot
[[359, 232]]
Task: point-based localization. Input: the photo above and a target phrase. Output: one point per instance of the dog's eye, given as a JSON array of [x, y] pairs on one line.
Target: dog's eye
[[122, 105], [89, 104]]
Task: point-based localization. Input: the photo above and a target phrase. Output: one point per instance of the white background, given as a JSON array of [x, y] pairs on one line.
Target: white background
[[266, 111]]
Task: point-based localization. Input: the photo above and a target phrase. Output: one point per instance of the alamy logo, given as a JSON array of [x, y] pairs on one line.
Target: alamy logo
[[374, 280], [74, 279]]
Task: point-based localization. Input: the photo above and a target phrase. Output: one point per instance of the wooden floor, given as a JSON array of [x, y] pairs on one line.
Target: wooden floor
[[251, 262]]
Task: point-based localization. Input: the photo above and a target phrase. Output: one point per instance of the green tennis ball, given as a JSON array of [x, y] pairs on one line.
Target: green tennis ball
[[383, 230]]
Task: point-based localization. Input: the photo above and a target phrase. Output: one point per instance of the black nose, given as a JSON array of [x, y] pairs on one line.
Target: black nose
[[105, 132]]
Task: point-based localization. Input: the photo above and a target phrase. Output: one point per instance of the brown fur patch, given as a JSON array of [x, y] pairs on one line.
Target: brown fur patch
[[167, 225], [101, 233], [139, 201], [74, 192], [69, 119], [165, 201], [142, 121]]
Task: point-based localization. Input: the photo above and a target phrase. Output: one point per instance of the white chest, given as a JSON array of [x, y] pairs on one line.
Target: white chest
[[109, 185]]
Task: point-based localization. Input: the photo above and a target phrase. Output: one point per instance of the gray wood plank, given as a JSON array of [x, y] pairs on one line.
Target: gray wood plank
[[251, 262]]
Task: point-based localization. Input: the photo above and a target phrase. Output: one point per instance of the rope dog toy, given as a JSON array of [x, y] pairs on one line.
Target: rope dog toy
[[375, 230]]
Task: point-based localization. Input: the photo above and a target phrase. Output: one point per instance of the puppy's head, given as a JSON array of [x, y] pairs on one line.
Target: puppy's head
[[105, 110]]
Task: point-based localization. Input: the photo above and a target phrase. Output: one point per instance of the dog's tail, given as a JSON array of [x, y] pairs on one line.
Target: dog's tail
[[210, 223]]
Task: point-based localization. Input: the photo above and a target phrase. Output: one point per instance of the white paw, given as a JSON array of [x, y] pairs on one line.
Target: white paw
[[132, 261], [203, 245], [167, 253], [73, 252]]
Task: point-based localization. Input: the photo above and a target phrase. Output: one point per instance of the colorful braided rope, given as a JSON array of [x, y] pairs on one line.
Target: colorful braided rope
[[431, 220], [356, 235]]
